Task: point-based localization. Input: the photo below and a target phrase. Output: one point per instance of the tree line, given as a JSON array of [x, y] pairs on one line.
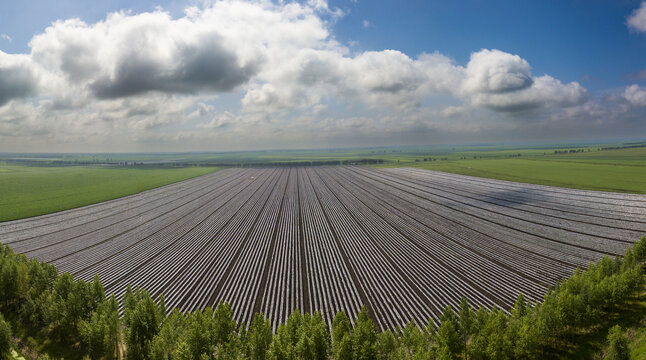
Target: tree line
[[78, 314]]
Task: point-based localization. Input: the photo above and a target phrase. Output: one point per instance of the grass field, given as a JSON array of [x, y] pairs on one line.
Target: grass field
[[34, 190], [29, 191], [622, 170]]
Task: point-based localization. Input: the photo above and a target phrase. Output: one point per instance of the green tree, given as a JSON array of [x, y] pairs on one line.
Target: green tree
[[386, 344], [617, 344], [100, 334], [199, 333], [465, 323], [344, 349], [520, 307], [6, 339], [260, 337], [448, 337], [142, 317], [341, 329], [319, 335], [223, 323], [411, 339], [169, 336], [364, 337], [281, 347]]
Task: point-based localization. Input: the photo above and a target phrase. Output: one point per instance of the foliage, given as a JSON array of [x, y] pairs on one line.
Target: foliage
[[617, 344], [6, 339], [76, 312]]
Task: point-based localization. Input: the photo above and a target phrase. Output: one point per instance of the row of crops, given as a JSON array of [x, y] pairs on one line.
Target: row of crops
[[404, 242]]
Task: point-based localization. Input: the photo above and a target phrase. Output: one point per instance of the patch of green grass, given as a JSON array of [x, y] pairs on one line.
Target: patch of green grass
[[29, 191]]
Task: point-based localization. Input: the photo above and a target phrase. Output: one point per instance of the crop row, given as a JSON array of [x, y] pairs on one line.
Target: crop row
[[404, 242]]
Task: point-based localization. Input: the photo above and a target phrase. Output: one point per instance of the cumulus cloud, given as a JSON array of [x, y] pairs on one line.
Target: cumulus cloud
[[635, 95], [6, 37], [637, 20], [18, 78], [127, 55], [545, 91], [150, 77], [494, 71]]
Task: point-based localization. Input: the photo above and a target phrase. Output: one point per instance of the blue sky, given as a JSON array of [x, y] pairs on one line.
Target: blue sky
[[499, 70], [568, 39]]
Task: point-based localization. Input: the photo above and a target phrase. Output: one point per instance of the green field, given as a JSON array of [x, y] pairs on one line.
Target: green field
[[34, 184], [622, 170], [29, 191]]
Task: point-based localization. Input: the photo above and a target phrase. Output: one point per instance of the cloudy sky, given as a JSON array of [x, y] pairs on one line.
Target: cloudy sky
[[79, 76]]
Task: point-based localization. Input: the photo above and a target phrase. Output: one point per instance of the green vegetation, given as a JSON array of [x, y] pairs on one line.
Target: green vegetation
[[35, 184], [638, 344], [77, 316], [621, 170], [29, 191], [617, 344]]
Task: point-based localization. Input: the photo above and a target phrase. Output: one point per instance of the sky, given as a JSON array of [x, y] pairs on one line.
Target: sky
[[124, 76]]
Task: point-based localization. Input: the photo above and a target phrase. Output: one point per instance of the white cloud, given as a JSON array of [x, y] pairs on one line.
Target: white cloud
[[365, 24], [147, 78], [545, 91], [219, 121], [126, 55], [6, 37], [635, 95], [637, 20], [494, 71]]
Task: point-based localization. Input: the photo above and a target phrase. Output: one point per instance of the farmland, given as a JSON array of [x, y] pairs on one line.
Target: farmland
[[620, 170], [403, 241], [35, 190]]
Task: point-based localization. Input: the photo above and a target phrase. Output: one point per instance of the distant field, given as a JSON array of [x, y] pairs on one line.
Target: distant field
[[29, 191], [622, 170]]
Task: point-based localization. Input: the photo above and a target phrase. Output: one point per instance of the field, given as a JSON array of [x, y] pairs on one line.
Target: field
[[35, 190], [622, 170], [405, 242]]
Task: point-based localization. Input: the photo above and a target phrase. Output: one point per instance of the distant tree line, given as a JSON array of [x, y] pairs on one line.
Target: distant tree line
[[570, 151], [636, 145], [78, 314]]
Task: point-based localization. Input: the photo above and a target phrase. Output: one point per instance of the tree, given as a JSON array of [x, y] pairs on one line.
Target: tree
[[100, 334], [341, 327], [364, 337], [281, 347], [498, 346], [6, 339], [199, 333], [448, 337], [411, 339], [142, 317], [260, 337], [386, 344], [617, 344], [319, 335], [465, 323], [168, 339], [223, 323], [520, 307], [344, 349]]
